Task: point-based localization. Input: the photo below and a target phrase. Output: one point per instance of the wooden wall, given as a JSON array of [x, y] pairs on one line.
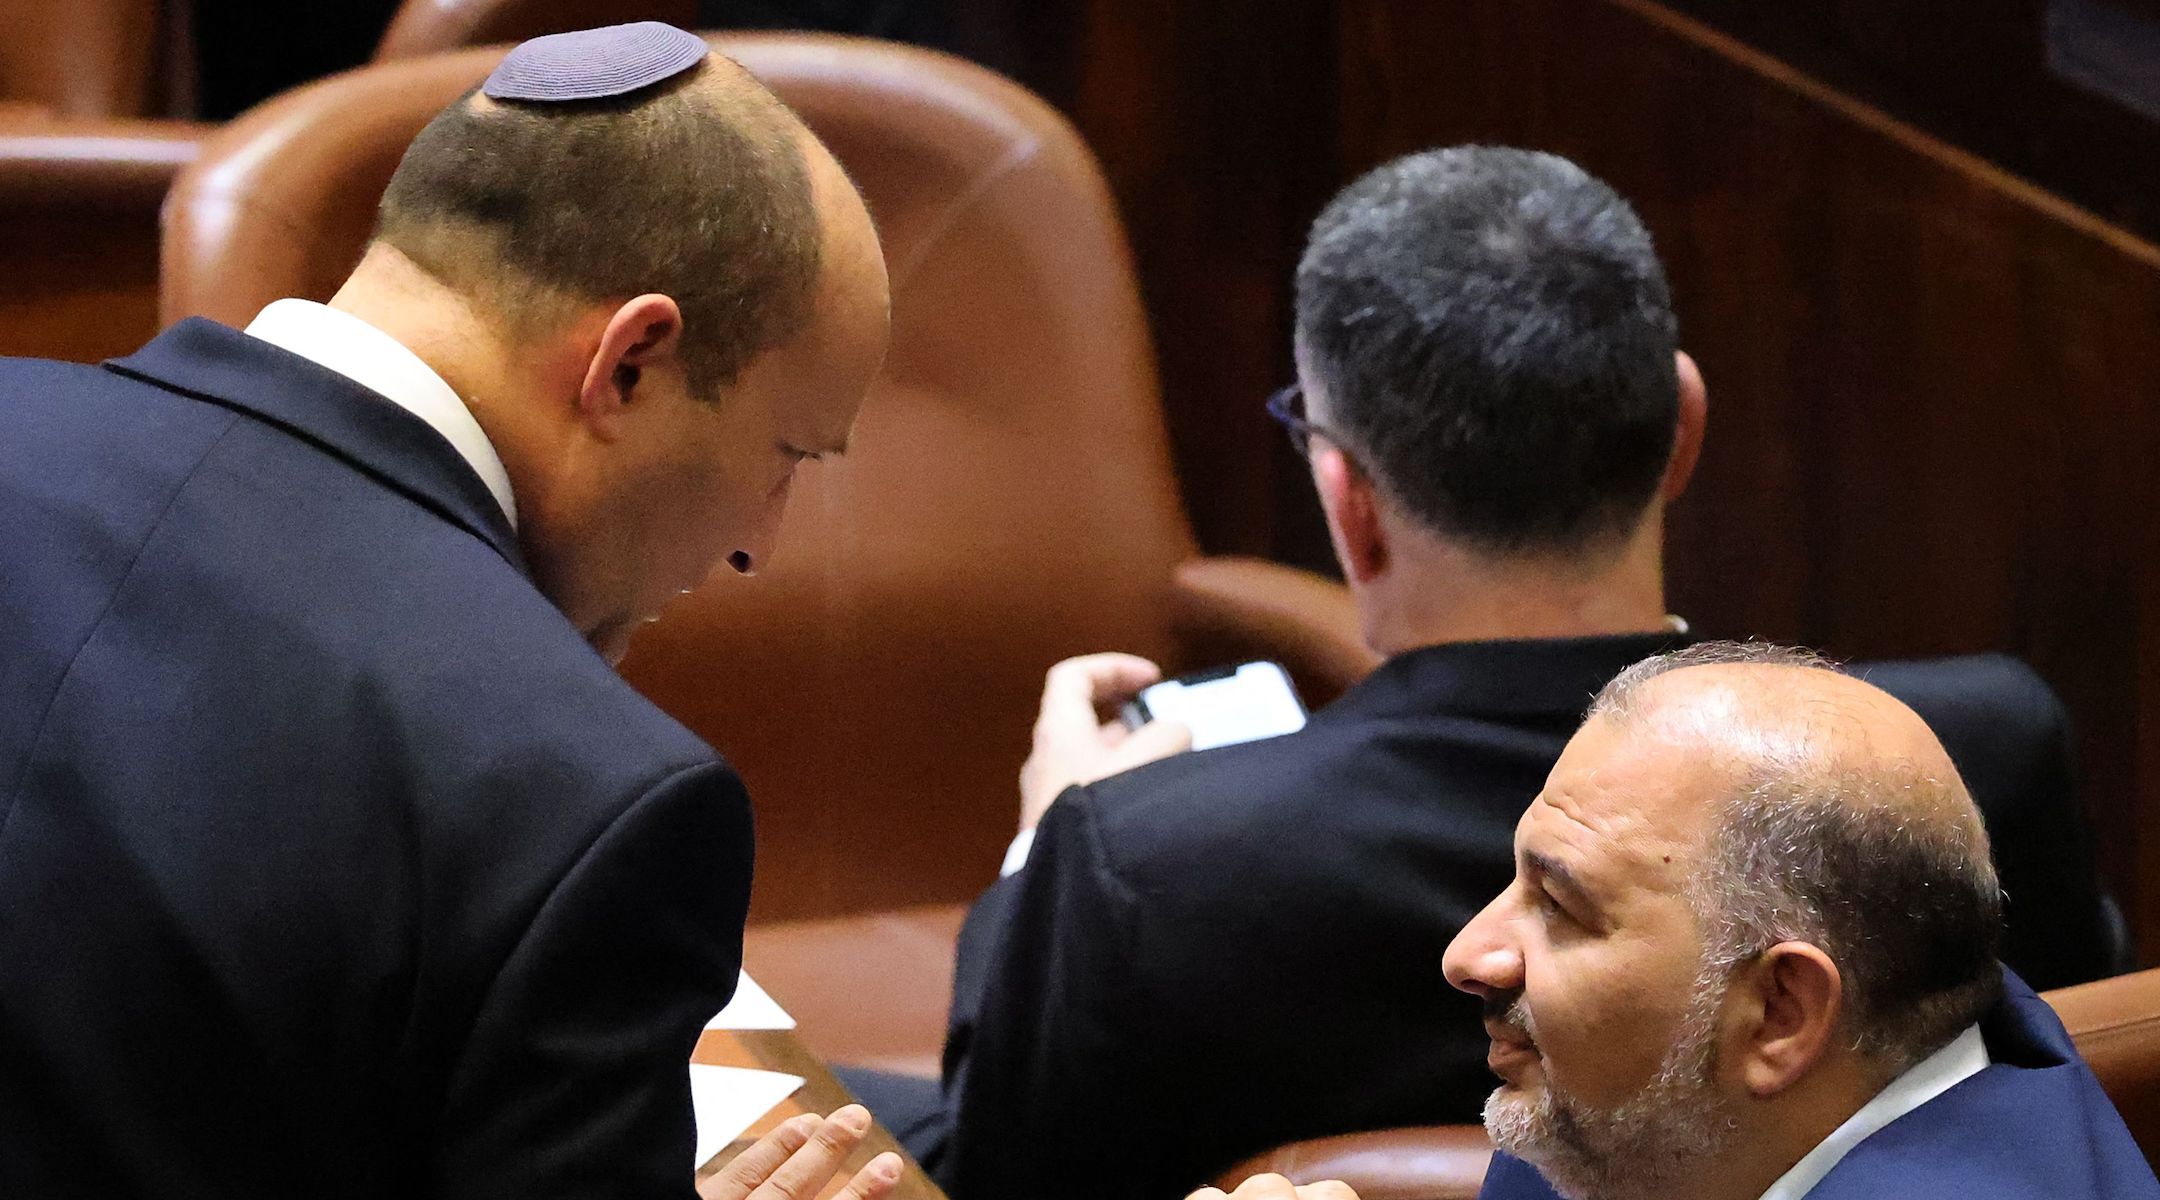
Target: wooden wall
[[1213, 120], [1933, 387], [1980, 74]]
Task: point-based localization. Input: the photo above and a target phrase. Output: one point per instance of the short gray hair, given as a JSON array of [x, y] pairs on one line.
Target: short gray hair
[[1494, 337], [1835, 855]]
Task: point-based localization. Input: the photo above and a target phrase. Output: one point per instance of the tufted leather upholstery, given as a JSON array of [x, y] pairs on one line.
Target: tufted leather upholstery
[[1009, 499], [2115, 1023]]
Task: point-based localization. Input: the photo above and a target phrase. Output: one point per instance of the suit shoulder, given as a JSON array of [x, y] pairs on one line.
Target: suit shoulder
[[1968, 687], [1321, 809], [1224, 784]]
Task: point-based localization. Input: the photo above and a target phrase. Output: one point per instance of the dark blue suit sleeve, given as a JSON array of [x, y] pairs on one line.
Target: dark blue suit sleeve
[[574, 1082]]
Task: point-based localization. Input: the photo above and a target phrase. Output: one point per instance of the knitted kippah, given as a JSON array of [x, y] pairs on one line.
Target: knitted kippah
[[593, 63]]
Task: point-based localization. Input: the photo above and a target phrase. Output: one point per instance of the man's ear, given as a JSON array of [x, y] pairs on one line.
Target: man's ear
[[1792, 1004], [642, 333], [1687, 428], [1352, 506]]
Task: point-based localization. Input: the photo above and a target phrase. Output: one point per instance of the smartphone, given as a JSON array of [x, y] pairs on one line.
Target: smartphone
[[1225, 706]]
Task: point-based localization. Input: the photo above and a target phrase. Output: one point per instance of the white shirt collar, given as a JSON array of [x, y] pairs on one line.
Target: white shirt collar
[[380, 363], [1965, 1057]]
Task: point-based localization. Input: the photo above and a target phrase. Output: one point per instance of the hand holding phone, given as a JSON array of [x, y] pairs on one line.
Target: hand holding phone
[[1223, 707], [1075, 744]]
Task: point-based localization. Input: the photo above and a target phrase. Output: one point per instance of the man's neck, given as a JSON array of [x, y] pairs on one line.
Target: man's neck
[[1777, 1133], [1436, 593], [390, 292]]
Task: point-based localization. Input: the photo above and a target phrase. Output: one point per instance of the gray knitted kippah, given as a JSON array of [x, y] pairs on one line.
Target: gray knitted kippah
[[593, 63]]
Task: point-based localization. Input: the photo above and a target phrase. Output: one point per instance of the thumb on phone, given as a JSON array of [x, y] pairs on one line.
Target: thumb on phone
[[1156, 739]]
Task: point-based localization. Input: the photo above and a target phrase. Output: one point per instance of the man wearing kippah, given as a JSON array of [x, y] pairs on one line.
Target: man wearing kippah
[[335, 859]]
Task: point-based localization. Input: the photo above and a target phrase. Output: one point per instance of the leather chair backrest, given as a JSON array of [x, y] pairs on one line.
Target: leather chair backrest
[[1427, 1162], [433, 26], [81, 58], [79, 230], [1009, 499]]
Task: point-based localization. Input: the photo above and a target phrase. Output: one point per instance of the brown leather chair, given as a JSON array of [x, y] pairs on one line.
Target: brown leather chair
[[2115, 1023], [433, 26], [1434, 1162], [82, 172], [83, 58], [79, 232], [1009, 499]]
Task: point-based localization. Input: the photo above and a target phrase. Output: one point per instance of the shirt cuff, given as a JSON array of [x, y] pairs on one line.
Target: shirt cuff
[[1016, 854]]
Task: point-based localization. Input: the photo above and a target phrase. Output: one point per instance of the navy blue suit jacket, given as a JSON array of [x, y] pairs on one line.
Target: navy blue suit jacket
[[2033, 1126], [332, 860]]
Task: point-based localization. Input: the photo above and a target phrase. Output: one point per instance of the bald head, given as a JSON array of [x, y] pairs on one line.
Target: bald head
[[1843, 824], [699, 187]]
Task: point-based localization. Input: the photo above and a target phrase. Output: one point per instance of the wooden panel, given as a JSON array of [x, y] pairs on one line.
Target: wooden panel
[[1214, 121], [1976, 73], [1932, 387]]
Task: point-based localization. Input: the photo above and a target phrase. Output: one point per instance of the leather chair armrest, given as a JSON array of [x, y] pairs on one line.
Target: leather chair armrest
[[2116, 1026], [1432, 1162], [88, 163], [1227, 609]]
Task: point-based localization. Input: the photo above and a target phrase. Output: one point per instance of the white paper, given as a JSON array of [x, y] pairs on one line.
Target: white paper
[[729, 1100], [751, 1008]]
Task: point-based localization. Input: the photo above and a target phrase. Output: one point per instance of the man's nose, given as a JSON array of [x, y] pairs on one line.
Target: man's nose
[[1483, 959]]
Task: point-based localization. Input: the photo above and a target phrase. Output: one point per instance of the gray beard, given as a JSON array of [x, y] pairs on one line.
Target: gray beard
[[1641, 1148]]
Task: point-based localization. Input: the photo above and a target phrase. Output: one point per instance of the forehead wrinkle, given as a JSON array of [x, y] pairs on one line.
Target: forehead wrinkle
[[1595, 839]]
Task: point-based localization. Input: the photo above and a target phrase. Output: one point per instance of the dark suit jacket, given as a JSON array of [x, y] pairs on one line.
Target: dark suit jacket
[[2033, 1126], [1224, 951], [332, 860], [1235, 948]]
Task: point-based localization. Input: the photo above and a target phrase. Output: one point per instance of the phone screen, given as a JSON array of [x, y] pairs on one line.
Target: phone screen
[[1236, 704]]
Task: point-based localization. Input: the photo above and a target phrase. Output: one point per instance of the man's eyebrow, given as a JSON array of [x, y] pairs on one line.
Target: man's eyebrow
[[1557, 874]]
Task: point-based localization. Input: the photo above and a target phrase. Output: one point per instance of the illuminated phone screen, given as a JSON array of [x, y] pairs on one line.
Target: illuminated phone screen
[[1255, 701]]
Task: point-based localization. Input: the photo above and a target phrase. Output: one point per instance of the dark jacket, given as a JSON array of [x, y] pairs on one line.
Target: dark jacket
[[1231, 949], [332, 860]]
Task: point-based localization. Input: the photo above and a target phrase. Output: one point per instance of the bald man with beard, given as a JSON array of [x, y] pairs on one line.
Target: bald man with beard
[[1749, 954]]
